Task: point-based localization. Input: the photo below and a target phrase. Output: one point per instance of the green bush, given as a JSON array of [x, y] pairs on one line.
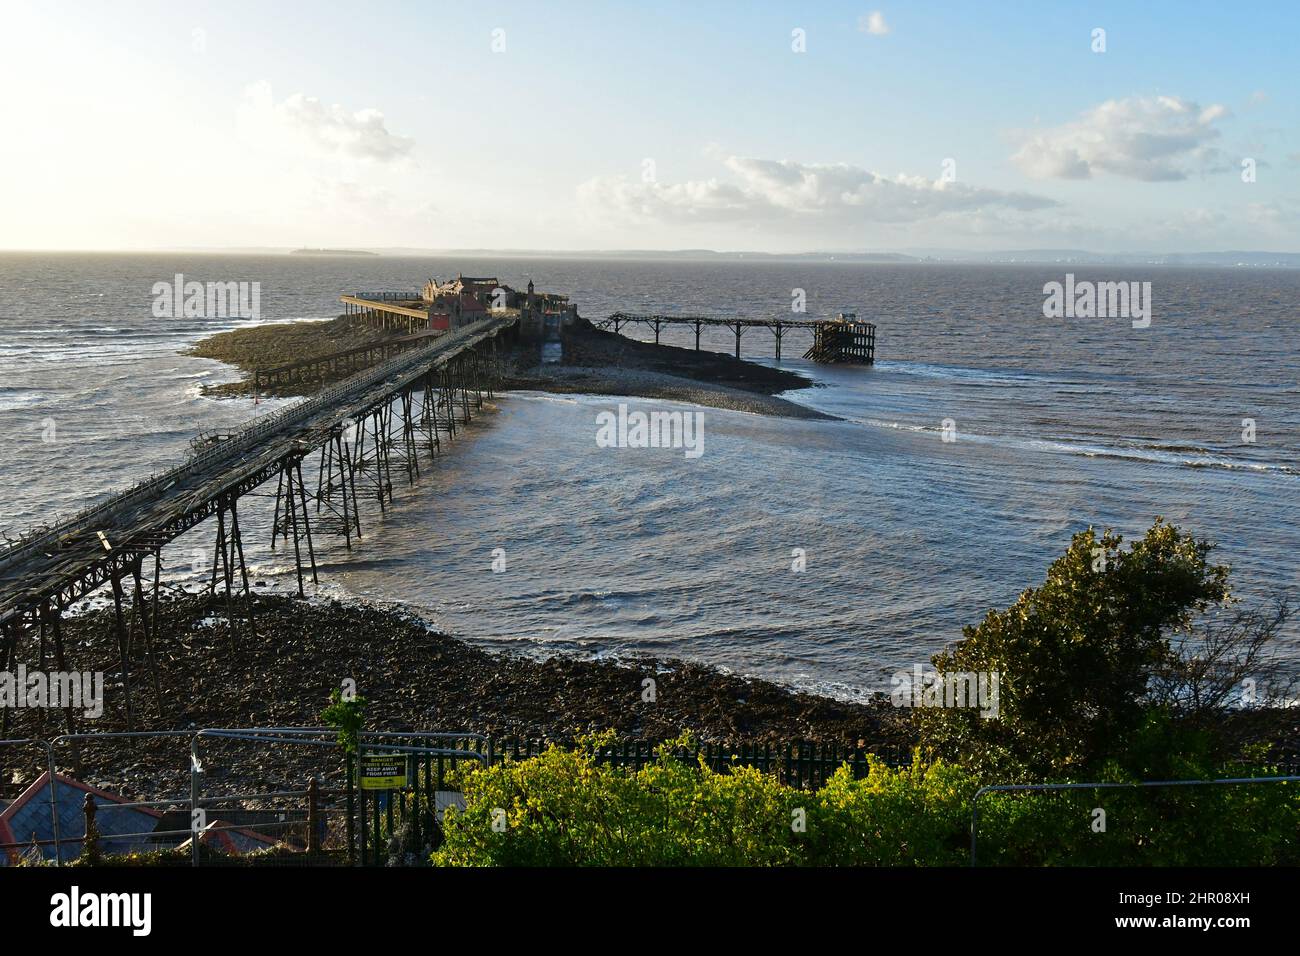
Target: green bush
[[562, 808], [913, 816], [1218, 825], [1077, 656]]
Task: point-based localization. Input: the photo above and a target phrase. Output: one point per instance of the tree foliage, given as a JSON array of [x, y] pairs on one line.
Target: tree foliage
[[1077, 655]]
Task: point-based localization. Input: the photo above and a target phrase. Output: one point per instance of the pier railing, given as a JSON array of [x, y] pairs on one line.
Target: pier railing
[[834, 340]]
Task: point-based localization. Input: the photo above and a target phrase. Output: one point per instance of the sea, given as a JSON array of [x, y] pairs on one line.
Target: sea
[[822, 554]]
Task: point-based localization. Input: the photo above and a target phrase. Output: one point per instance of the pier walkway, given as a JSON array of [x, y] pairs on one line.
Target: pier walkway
[[363, 429], [834, 340]]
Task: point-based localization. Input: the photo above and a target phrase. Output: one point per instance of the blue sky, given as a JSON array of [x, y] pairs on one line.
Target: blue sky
[[674, 125]]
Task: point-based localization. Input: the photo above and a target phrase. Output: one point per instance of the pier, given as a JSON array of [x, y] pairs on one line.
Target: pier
[[330, 365], [362, 432], [391, 310], [834, 340], [356, 436]]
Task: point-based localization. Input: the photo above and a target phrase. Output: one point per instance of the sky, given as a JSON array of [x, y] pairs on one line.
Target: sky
[[610, 126]]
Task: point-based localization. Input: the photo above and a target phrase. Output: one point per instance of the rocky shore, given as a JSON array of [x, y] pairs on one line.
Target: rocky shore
[[266, 346], [413, 677]]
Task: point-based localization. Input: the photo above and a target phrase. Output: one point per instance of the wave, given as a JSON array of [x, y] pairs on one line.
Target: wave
[[1007, 377], [1155, 453]]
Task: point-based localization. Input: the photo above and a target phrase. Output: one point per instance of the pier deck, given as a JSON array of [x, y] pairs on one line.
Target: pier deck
[[390, 414], [61, 560], [835, 340]]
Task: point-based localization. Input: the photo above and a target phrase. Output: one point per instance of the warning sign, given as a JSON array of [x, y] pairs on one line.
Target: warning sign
[[383, 772]]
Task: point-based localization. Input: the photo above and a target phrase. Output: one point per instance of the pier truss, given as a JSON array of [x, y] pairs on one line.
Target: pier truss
[[362, 434], [834, 340]]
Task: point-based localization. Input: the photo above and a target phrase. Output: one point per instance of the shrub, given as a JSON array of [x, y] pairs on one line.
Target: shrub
[[1076, 656], [562, 808], [912, 816]]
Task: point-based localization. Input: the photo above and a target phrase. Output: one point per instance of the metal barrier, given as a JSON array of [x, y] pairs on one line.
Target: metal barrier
[[1049, 787], [802, 764], [414, 802], [411, 809]]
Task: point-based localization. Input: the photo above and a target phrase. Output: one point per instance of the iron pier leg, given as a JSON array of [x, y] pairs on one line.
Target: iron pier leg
[[292, 510], [306, 524], [238, 541], [464, 389], [350, 456], [147, 623], [279, 494], [218, 552], [337, 454], [228, 571], [56, 628], [120, 626]]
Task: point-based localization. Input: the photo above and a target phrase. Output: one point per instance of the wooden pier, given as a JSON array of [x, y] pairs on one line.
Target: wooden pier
[[834, 340]]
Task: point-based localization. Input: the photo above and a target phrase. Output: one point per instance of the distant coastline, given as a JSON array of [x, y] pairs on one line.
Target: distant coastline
[[331, 252], [922, 257]]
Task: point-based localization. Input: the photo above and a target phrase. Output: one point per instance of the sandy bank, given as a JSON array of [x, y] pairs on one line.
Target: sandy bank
[[595, 362], [266, 346]]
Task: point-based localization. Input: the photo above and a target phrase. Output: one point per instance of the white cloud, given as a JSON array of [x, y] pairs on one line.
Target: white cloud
[[767, 190], [1280, 212], [362, 134], [873, 23], [1153, 139]]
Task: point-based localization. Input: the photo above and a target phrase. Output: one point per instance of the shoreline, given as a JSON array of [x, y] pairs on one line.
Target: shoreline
[[280, 343], [600, 362], [414, 677]]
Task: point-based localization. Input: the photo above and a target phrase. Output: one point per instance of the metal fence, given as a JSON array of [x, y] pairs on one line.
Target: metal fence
[[311, 810], [803, 764], [327, 819], [330, 818]]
